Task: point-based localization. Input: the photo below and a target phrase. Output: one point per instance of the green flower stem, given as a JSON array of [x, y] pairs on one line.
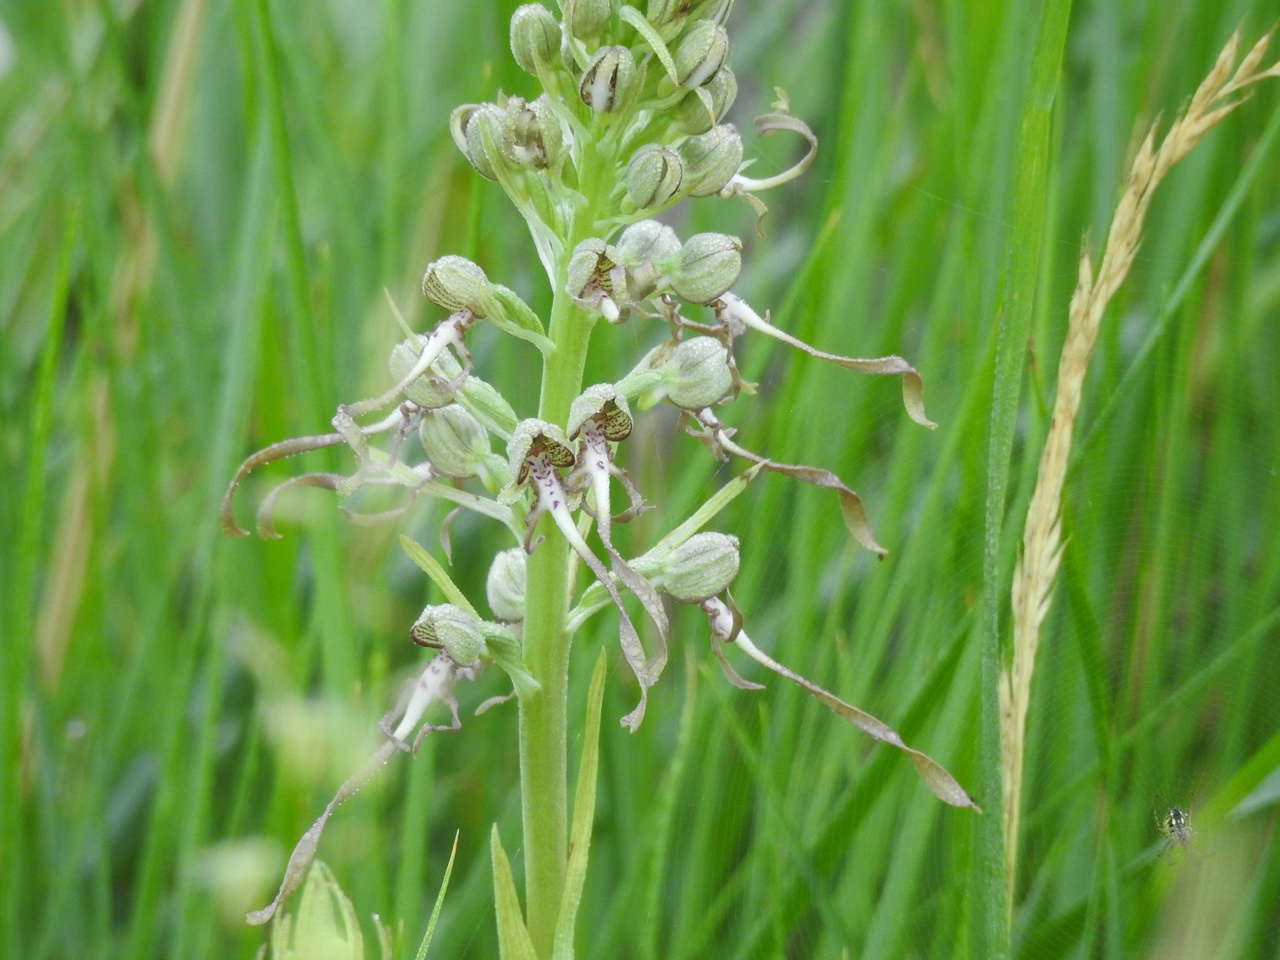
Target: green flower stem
[[543, 743]]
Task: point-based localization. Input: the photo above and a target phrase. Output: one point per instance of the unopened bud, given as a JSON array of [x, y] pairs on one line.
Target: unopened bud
[[456, 283], [451, 629], [609, 79], [701, 567], [585, 19], [653, 176], [709, 265], [464, 126], [710, 160], [662, 13], [505, 585], [535, 38], [701, 54], [702, 109], [648, 241], [691, 374], [454, 441], [697, 373]]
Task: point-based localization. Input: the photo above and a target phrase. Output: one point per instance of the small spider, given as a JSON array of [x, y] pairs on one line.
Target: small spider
[[1175, 827]]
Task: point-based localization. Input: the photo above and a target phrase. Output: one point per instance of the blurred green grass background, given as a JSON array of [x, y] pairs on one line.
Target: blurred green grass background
[[201, 205]]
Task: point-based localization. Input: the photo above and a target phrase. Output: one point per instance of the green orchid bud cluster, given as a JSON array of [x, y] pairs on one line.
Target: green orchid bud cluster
[[629, 123]]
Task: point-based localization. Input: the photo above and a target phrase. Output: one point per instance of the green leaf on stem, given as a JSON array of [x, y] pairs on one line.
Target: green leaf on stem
[[584, 808], [431, 567], [514, 942]]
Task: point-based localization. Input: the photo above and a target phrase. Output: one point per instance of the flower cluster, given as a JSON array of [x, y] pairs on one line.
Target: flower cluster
[[629, 124]]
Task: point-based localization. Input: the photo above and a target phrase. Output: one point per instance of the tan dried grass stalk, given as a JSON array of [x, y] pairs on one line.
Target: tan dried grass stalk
[[1037, 566]]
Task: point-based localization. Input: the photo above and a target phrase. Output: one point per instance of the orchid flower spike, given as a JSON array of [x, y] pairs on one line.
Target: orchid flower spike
[[538, 451]]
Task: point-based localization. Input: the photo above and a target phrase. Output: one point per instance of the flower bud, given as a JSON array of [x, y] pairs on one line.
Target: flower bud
[[709, 265], [693, 116], [609, 79], [531, 134], [701, 567], [456, 283], [710, 160], [454, 441], [648, 241], [701, 53], [535, 38], [662, 13], [603, 403], [648, 250], [464, 126], [698, 374], [715, 10], [451, 629], [653, 176], [585, 19], [505, 585]]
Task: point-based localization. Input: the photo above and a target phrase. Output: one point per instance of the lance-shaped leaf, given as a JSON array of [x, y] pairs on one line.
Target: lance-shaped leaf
[[584, 807], [514, 942], [736, 312], [727, 625], [637, 21]]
